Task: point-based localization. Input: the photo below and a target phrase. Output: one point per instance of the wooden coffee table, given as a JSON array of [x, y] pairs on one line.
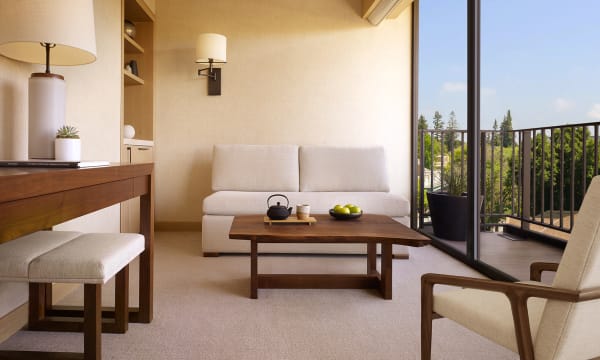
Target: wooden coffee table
[[369, 229]]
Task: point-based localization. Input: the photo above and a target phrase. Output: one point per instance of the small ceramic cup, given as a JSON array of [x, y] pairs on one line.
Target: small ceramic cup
[[303, 211]]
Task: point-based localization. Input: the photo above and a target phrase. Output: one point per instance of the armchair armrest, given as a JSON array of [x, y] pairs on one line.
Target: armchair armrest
[[511, 290], [536, 269]]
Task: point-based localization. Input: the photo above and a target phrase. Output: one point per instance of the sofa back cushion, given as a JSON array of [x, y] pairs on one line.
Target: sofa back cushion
[[255, 168], [329, 168]]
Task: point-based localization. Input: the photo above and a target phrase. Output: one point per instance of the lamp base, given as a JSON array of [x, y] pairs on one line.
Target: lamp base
[[47, 93]]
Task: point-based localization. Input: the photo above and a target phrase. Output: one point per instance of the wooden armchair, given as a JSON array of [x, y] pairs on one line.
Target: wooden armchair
[[533, 319]]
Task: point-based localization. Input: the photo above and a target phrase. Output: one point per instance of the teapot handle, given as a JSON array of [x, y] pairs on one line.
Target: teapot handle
[[283, 196]]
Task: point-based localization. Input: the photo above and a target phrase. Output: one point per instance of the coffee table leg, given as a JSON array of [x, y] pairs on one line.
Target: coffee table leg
[[386, 270], [253, 270], [371, 258]]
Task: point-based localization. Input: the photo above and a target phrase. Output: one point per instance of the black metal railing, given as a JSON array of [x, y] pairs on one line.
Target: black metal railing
[[530, 178]]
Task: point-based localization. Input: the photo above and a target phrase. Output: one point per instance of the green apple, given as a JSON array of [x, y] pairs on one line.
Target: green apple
[[349, 205], [341, 210], [354, 210], [337, 206]]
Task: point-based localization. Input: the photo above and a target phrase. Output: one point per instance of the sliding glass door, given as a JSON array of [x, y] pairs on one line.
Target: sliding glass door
[[507, 113], [442, 119]]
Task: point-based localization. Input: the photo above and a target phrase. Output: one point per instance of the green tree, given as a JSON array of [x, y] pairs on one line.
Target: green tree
[[438, 124], [422, 123], [557, 178], [506, 129], [422, 126], [450, 136], [497, 137]]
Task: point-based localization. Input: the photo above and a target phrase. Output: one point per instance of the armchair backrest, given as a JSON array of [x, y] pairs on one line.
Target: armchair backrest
[[569, 330]]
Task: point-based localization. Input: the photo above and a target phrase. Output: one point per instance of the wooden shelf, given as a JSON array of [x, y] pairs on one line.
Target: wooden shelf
[[131, 46], [131, 79], [138, 96], [137, 10]]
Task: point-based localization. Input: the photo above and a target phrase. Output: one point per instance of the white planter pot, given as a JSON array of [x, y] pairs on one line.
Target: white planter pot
[[67, 149]]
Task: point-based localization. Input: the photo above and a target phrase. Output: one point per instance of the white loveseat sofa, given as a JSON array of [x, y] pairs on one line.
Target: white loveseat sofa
[[243, 177]]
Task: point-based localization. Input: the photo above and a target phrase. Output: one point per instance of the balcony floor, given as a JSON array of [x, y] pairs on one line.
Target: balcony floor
[[509, 253]]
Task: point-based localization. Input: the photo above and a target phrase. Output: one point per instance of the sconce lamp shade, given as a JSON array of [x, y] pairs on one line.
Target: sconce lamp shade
[[69, 24], [211, 46]]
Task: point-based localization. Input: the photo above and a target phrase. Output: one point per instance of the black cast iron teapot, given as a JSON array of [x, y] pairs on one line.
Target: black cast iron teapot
[[278, 212]]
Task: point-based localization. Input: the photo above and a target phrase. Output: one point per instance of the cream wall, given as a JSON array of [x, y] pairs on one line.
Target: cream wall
[[93, 105], [298, 72]]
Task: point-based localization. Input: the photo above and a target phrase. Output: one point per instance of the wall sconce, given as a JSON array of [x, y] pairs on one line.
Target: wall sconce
[[211, 49]]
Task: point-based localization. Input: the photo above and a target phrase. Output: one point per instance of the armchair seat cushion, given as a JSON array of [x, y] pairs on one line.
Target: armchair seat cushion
[[487, 313]]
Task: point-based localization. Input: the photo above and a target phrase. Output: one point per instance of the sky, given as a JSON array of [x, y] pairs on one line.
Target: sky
[[540, 59]]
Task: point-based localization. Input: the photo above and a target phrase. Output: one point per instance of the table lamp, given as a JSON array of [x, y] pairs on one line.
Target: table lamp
[[57, 32]]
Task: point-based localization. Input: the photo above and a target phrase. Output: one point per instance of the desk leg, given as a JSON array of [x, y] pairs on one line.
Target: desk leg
[[147, 257], [253, 269], [386, 270], [371, 258]]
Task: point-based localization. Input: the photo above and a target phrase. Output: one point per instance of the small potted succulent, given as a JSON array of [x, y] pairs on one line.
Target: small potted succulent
[[67, 145]]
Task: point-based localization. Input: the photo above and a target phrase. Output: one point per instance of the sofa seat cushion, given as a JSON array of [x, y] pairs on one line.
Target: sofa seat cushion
[[246, 203], [16, 255], [89, 258], [255, 167]]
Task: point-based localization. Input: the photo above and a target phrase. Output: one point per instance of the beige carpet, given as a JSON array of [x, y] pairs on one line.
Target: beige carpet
[[202, 311]]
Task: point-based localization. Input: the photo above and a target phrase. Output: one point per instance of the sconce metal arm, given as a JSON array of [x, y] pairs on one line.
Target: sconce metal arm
[[211, 74]]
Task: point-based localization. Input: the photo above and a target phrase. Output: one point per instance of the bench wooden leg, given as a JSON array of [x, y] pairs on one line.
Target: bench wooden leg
[[122, 300], [92, 321], [37, 304], [44, 317]]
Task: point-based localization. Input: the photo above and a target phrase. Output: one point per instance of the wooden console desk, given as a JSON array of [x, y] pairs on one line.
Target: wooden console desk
[[33, 199]]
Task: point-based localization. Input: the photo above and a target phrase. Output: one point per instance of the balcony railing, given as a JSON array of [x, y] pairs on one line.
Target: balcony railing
[[534, 178]]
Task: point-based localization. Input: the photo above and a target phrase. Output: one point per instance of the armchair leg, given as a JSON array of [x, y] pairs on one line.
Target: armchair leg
[[522, 329], [426, 319]]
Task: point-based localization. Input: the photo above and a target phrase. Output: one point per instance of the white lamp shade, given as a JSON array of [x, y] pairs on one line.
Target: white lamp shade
[[211, 46], [69, 24]]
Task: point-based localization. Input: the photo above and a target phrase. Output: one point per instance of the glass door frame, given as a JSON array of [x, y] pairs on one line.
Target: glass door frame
[[471, 257]]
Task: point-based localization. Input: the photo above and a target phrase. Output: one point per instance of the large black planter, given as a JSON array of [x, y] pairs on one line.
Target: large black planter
[[449, 215]]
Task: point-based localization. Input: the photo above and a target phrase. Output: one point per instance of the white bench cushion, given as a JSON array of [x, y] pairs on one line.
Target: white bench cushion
[[89, 258], [255, 167], [16, 255], [246, 203], [328, 168]]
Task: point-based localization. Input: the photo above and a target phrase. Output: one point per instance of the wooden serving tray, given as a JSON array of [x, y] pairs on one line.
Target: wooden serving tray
[[290, 220]]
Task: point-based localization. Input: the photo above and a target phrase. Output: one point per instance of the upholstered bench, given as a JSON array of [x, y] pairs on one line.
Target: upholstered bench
[[90, 259]]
